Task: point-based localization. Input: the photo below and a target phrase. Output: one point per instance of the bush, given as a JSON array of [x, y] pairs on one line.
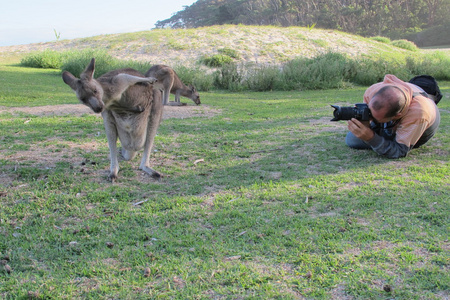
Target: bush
[[76, 61], [369, 71], [436, 64], [381, 39], [372, 70], [263, 78], [185, 74], [404, 44], [229, 77], [80, 60], [47, 59], [330, 70], [325, 71], [203, 82], [217, 60], [104, 63], [195, 76]]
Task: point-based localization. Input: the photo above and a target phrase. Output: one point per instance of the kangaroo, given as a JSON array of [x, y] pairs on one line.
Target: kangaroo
[[172, 84], [131, 109]]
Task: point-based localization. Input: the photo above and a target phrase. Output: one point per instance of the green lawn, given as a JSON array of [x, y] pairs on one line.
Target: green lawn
[[261, 201]]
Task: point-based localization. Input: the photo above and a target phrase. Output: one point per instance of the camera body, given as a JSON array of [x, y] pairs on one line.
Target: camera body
[[360, 112]]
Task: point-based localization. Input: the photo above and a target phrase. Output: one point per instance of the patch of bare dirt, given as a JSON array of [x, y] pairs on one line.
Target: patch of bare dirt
[[179, 112], [48, 156]]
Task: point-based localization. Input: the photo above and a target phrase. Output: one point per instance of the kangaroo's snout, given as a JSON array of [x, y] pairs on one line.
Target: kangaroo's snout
[[96, 105]]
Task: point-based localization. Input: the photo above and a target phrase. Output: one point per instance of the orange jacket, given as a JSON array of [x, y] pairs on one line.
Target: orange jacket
[[420, 113]]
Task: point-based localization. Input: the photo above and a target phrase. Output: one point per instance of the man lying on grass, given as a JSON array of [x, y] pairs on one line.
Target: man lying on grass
[[403, 117]]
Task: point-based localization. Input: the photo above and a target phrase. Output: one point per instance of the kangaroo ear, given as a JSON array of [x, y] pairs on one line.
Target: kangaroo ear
[[69, 79], [88, 74]]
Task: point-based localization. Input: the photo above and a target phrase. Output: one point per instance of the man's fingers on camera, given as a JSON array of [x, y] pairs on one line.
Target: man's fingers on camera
[[358, 123], [360, 130], [354, 122], [352, 126]]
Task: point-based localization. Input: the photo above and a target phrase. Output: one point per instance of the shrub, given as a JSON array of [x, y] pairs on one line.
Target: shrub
[[436, 64], [47, 59], [203, 81], [263, 78], [404, 44], [104, 63], [195, 76], [80, 59], [381, 39], [330, 70], [217, 60], [185, 74], [372, 70], [76, 61], [229, 77], [369, 71]]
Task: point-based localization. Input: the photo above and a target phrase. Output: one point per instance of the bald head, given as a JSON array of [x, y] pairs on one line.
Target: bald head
[[390, 99]]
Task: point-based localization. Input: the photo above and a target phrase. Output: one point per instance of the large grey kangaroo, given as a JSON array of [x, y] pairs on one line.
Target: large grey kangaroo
[[172, 84], [131, 109]]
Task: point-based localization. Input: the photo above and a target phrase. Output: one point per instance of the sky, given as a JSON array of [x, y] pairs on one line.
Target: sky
[[34, 21]]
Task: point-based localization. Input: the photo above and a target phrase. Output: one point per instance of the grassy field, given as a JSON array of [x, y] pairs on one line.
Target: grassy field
[[261, 201]]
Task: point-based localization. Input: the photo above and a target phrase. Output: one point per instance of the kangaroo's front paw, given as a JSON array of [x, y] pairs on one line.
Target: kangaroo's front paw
[[151, 79], [138, 109]]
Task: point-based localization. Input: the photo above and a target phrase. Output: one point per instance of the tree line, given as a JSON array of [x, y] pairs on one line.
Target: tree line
[[390, 18]]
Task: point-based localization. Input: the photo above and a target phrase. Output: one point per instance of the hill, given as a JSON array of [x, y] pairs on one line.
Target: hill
[[256, 44]]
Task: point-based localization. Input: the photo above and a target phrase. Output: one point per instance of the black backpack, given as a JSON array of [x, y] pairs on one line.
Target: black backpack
[[429, 85]]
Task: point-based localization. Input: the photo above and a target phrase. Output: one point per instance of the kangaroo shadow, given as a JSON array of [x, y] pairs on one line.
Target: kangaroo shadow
[[315, 149]]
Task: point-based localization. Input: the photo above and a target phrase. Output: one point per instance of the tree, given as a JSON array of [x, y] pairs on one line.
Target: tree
[[391, 18]]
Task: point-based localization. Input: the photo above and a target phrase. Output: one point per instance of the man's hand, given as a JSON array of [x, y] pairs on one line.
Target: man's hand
[[360, 130]]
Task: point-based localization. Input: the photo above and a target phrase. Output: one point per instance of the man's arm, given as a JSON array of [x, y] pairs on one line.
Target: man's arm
[[387, 148], [382, 146]]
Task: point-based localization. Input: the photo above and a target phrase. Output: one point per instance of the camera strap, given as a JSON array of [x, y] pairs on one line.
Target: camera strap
[[385, 130], [431, 97], [422, 94]]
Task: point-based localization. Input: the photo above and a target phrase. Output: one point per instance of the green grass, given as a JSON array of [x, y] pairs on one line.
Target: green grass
[[279, 208], [31, 87]]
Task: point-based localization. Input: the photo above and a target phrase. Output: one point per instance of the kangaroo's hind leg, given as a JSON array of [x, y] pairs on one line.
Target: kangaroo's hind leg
[[168, 84], [153, 124], [111, 135]]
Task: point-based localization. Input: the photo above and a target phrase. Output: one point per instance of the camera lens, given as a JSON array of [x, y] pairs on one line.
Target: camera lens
[[343, 113]]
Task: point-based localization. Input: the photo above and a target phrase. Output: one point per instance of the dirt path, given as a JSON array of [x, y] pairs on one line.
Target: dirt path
[[179, 112], [45, 156]]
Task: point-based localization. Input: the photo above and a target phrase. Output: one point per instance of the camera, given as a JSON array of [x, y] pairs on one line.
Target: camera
[[360, 112]]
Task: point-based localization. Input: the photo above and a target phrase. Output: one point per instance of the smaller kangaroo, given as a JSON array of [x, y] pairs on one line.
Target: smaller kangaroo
[[172, 85]]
